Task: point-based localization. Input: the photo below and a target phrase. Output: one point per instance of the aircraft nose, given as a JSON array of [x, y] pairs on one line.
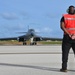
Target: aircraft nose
[[32, 34]]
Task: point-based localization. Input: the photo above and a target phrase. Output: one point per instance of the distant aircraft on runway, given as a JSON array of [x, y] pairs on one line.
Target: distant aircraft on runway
[[31, 35]]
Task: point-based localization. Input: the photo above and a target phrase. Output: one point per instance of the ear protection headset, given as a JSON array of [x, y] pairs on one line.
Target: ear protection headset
[[69, 8]]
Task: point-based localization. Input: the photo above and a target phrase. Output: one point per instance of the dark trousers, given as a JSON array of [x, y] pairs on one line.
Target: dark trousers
[[67, 43]]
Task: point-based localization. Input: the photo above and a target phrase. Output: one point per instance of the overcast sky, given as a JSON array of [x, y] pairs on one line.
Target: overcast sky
[[42, 15]]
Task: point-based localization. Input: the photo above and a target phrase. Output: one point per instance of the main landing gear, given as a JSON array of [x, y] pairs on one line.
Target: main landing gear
[[34, 43], [24, 43]]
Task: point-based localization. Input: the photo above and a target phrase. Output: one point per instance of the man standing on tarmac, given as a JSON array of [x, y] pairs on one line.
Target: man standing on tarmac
[[67, 24]]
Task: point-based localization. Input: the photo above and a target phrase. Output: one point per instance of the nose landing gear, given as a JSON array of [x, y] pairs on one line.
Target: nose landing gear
[[24, 43], [34, 43]]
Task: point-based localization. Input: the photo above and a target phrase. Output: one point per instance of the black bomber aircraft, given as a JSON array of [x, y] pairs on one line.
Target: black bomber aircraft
[[31, 35]]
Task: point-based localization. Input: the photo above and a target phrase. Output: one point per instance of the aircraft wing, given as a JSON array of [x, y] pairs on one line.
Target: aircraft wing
[[11, 38], [20, 38], [39, 38], [53, 39]]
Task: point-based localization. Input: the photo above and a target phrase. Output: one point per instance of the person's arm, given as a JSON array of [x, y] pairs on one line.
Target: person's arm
[[62, 25]]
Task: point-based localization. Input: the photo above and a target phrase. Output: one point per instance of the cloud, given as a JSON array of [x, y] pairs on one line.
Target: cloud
[[49, 15], [45, 30], [7, 30], [25, 15], [9, 16], [37, 30], [50, 32]]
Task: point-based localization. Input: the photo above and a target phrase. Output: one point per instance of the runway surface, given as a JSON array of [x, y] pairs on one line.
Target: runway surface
[[33, 60]]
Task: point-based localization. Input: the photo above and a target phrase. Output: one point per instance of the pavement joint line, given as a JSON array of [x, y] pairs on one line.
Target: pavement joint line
[[35, 53]]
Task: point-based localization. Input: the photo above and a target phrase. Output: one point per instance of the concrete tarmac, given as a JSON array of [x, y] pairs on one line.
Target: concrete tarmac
[[33, 60]]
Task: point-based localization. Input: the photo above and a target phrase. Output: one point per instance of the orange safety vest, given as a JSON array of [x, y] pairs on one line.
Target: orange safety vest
[[69, 21]]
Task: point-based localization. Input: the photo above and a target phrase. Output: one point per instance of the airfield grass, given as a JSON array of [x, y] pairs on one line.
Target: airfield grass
[[10, 42], [51, 42], [15, 42]]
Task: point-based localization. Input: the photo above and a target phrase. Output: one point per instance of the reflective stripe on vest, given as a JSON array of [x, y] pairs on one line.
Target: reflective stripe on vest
[[69, 18], [70, 28]]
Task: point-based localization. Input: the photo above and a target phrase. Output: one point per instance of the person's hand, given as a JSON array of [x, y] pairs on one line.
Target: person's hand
[[73, 36]]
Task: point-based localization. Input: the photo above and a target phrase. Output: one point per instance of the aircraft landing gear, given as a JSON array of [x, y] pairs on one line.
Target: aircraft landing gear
[[34, 43], [24, 43]]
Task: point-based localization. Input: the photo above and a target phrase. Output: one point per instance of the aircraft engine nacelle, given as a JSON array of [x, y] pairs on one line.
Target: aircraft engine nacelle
[[20, 39], [37, 39]]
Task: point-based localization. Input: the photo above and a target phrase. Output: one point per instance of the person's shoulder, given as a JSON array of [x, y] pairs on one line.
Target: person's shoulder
[[65, 14], [62, 19]]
